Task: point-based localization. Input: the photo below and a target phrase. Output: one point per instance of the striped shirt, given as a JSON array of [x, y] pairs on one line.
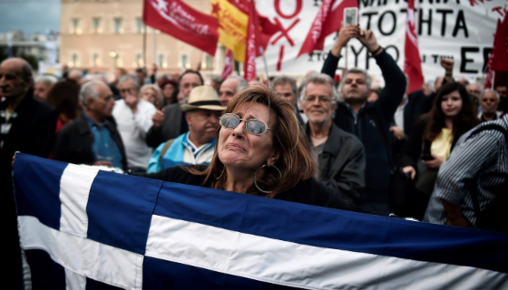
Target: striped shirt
[[483, 158]]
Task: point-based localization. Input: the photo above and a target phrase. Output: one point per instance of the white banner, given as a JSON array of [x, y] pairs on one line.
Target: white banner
[[461, 29]]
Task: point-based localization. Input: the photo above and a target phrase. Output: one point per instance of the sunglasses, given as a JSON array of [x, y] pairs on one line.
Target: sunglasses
[[253, 126]]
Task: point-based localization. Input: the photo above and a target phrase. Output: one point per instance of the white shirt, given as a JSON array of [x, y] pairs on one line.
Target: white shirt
[[133, 129]]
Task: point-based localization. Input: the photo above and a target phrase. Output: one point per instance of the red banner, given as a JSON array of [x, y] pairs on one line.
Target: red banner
[[327, 21], [498, 58], [228, 65], [252, 48], [181, 21], [412, 62]]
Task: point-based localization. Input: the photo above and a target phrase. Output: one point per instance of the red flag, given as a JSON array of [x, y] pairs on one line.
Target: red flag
[[228, 65], [412, 62], [327, 21], [181, 21], [252, 48], [498, 58], [268, 29]]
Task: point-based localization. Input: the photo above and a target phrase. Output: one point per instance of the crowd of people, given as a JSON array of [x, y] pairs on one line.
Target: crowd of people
[[343, 144]]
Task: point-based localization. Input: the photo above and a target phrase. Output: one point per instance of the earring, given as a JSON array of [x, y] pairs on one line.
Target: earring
[[220, 176], [255, 174]]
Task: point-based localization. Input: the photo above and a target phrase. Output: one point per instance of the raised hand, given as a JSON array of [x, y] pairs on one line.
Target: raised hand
[[345, 34], [447, 63], [367, 38], [158, 118]]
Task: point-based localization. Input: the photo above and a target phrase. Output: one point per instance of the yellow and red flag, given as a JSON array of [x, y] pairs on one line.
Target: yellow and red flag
[[232, 27]]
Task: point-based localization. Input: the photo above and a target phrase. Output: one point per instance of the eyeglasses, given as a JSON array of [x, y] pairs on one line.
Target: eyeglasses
[[253, 126], [322, 99], [128, 90]]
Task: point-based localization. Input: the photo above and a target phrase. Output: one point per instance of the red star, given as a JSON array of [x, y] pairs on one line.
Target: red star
[[215, 9]]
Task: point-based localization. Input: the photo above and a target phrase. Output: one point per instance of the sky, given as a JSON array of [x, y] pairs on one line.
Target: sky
[[30, 16]]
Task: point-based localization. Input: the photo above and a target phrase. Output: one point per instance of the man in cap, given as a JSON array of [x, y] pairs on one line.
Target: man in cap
[[196, 146]]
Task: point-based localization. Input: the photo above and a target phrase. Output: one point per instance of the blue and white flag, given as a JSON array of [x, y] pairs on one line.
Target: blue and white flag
[[83, 228]]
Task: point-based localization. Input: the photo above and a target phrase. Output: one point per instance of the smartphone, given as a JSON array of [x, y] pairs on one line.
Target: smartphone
[[427, 157], [426, 151], [350, 16]]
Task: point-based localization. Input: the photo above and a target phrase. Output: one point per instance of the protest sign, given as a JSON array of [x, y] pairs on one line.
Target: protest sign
[[462, 30]]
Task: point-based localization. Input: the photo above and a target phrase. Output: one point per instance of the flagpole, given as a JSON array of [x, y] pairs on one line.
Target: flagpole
[[345, 58], [493, 79], [144, 46], [154, 48], [266, 68]]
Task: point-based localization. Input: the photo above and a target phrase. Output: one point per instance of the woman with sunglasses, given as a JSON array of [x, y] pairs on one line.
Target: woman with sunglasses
[[261, 150]]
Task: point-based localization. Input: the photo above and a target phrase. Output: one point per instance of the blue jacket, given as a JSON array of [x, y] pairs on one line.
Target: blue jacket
[[180, 153]]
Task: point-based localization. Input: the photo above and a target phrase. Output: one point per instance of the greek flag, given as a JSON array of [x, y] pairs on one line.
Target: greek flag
[[83, 228]]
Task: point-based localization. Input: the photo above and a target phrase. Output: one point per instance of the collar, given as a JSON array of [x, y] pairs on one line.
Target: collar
[[352, 111], [92, 122], [332, 144], [188, 143]]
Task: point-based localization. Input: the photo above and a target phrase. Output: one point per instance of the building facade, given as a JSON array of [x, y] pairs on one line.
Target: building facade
[[101, 35]]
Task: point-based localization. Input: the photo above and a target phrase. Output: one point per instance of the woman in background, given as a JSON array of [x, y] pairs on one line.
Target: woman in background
[[64, 98], [152, 94], [433, 138], [169, 92]]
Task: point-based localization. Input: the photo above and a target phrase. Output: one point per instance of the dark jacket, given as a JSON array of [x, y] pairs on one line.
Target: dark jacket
[[33, 132], [377, 146], [174, 125], [74, 142], [342, 164], [307, 191], [417, 104]]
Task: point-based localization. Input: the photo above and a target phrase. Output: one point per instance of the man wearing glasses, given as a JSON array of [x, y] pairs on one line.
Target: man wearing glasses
[[340, 155], [134, 118], [92, 138]]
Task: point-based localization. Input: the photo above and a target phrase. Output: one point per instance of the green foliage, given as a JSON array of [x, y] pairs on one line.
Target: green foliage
[[31, 59]]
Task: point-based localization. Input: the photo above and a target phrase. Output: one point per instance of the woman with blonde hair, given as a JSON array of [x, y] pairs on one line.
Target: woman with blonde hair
[[152, 94]]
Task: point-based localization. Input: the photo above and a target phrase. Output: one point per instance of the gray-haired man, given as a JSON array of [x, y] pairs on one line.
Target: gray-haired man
[[42, 86], [286, 87], [339, 155], [92, 138], [229, 87]]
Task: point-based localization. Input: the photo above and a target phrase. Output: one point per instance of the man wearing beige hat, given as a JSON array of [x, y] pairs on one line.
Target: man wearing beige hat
[[202, 114]]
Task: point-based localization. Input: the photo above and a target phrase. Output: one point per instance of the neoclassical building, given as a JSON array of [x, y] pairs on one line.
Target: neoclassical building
[[100, 35]]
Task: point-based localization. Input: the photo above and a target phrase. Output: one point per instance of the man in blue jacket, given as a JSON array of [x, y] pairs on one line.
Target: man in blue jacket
[[370, 122]]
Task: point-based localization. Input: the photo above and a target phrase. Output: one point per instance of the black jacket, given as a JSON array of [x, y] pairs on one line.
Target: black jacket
[[307, 191], [33, 132], [74, 142], [174, 125], [377, 147], [342, 164]]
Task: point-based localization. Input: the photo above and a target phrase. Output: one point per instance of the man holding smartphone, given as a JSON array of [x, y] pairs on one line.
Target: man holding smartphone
[[370, 122]]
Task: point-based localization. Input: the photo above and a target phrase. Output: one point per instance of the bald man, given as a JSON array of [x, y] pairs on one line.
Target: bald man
[[28, 126]]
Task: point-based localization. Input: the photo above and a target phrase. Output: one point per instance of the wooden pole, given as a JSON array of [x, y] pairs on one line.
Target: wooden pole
[[144, 46]]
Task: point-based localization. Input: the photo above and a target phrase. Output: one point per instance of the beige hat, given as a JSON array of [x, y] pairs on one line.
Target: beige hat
[[204, 98]]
